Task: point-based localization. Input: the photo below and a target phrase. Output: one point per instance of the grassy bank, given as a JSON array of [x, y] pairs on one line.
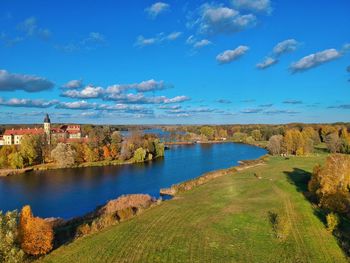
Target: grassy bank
[[224, 220]]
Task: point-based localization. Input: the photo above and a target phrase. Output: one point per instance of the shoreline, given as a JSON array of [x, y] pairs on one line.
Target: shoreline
[[206, 177], [179, 187], [50, 166]]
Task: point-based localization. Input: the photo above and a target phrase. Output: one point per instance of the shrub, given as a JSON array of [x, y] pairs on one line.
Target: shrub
[[125, 213], [332, 222], [280, 225], [36, 233], [83, 230], [136, 201], [10, 250]]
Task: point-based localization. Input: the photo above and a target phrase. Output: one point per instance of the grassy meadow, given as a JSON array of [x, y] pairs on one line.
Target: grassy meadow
[[225, 220]]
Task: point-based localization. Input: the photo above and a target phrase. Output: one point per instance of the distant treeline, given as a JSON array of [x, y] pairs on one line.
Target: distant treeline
[[291, 139]]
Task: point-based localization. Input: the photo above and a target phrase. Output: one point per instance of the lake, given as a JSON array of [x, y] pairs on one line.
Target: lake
[[73, 192]]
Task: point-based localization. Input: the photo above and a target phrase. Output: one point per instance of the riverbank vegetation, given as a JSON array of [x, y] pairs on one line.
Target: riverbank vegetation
[[288, 139], [237, 217], [328, 188], [24, 237], [102, 146]]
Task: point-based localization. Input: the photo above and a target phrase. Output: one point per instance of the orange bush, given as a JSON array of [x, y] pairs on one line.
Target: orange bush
[[36, 234]]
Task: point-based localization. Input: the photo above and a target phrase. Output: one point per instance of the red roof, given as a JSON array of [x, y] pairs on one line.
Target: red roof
[[34, 131], [57, 130], [73, 127]]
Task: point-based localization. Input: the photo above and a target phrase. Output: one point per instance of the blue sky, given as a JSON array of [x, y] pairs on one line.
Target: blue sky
[[145, 62]]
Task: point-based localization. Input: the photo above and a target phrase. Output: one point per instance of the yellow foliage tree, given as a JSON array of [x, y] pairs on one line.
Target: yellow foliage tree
[[331, 183], [36, 234]]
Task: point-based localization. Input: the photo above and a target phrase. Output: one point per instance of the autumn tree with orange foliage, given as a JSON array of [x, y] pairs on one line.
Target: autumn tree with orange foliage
[[36, 234], [106, 153]]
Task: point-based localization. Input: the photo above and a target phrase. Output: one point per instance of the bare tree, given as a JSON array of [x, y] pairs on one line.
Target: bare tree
[[63, 154], [275, 144]]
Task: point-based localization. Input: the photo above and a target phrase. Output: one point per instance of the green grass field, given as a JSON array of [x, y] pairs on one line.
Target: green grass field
[[225, 220]]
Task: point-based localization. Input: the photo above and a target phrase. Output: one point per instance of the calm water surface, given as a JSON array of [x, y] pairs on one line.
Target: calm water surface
[[68, 193]]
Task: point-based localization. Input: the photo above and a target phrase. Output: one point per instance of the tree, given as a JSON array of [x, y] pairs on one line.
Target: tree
[[30, 149], [10, 250], [344, 141], [333, 142], [239, 137], [326, 130], [106, 153], [63, 154], [90, 154], [208, 132], [275, 144], [222, 133], [36, 234], [140, 155], [159, 148], [5, 151], [15, 160], [310, 133], [294, 142], [256, 134], [331, 183], [116, 138]]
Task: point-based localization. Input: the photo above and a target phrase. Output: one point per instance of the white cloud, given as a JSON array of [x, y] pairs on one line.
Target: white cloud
[[88, 92], [27, 103], [149, 85], [144, 86], [174, 35], [140, 98], [315, 60], [191, 40], [202, 43], [231, 55], [170, 107], [141, 41], [73, 84], [268, 61], [11, 82], [263, 6], [113, 91], [176, 99], [157, 9], [31, 28], [222, 20], [76, 105], [285, 46]]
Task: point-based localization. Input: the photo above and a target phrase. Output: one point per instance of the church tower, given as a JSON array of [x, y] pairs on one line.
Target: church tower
[[47, 128]]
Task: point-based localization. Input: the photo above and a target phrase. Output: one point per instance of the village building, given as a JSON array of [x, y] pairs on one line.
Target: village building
[[64, 133]]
